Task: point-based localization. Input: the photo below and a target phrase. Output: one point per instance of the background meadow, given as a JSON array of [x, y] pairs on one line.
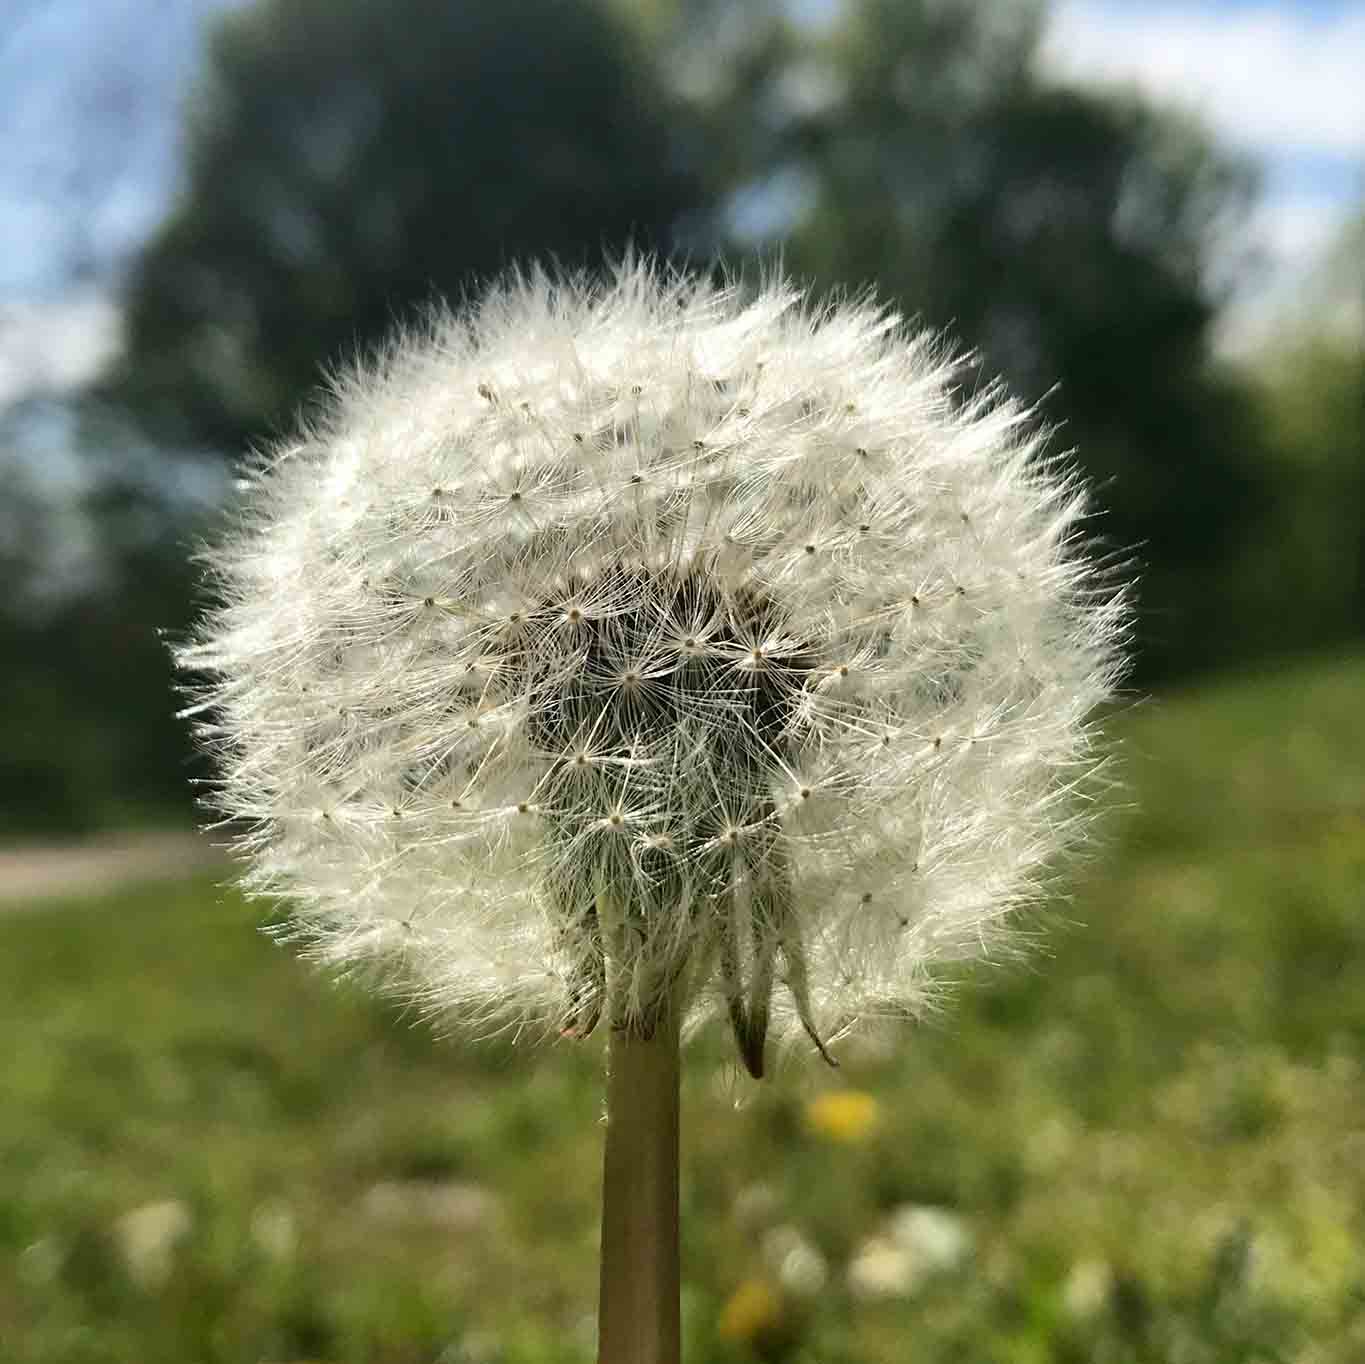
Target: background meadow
[[1144, 1146]]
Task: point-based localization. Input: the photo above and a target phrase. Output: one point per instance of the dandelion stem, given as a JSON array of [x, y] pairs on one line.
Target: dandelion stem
[[638, 1320]]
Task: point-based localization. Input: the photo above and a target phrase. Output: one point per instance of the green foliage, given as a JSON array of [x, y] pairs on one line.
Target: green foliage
[[90, 740], [1305, 581], [1152, 1137]]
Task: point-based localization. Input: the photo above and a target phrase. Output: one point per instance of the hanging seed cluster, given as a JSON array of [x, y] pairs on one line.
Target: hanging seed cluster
[[613, 648]]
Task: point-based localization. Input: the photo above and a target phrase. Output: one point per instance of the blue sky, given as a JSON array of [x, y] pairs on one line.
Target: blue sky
[[1283, 80], [89, 113], [90, 93]]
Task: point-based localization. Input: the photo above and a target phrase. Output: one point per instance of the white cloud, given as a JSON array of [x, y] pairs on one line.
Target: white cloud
[[55, 346], [1264, 76], [1296, 226]]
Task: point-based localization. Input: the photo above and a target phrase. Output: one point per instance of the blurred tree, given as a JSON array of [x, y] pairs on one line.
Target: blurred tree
[[1070, 236], [348, 158], [93, 529], [1312, 403], [91, 740], [1301, 582]]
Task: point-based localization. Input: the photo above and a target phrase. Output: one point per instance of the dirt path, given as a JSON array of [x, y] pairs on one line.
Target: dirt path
[[33, 875]]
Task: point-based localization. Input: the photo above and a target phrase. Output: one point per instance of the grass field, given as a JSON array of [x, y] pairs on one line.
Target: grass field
[[1147, 1146]]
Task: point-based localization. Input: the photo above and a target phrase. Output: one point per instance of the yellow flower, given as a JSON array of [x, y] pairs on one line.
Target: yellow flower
[[754, 1309], [845, 1115]]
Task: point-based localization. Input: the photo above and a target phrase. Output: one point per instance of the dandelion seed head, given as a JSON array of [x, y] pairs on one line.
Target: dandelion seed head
[[650, 644]]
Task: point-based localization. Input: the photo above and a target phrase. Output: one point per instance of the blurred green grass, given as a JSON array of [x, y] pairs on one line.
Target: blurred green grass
[[1147, 1145]]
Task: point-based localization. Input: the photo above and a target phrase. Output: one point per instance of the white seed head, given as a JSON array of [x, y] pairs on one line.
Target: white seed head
[[608, 645]]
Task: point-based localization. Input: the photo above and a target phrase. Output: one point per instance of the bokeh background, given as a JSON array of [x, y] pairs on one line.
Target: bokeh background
[[1150, 217]]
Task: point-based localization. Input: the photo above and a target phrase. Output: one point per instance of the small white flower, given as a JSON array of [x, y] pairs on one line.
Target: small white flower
[[881, 1269], [275, 1230], [614, 644], [917, 1243], [797, 1264], [1088, 1288], [148, 1238], [937, 1238]]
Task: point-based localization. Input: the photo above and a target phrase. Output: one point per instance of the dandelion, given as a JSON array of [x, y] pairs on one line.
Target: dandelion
[[752, 1311], [844, 1115], [643, 652]]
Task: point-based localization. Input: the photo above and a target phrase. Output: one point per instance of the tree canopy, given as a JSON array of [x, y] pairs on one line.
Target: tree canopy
[[347, 160]]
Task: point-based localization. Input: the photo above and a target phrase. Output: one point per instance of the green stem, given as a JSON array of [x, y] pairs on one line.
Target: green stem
[[638, 1318]]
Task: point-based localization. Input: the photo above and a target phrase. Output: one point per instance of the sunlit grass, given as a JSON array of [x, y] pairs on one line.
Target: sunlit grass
[[1148, 1144]]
